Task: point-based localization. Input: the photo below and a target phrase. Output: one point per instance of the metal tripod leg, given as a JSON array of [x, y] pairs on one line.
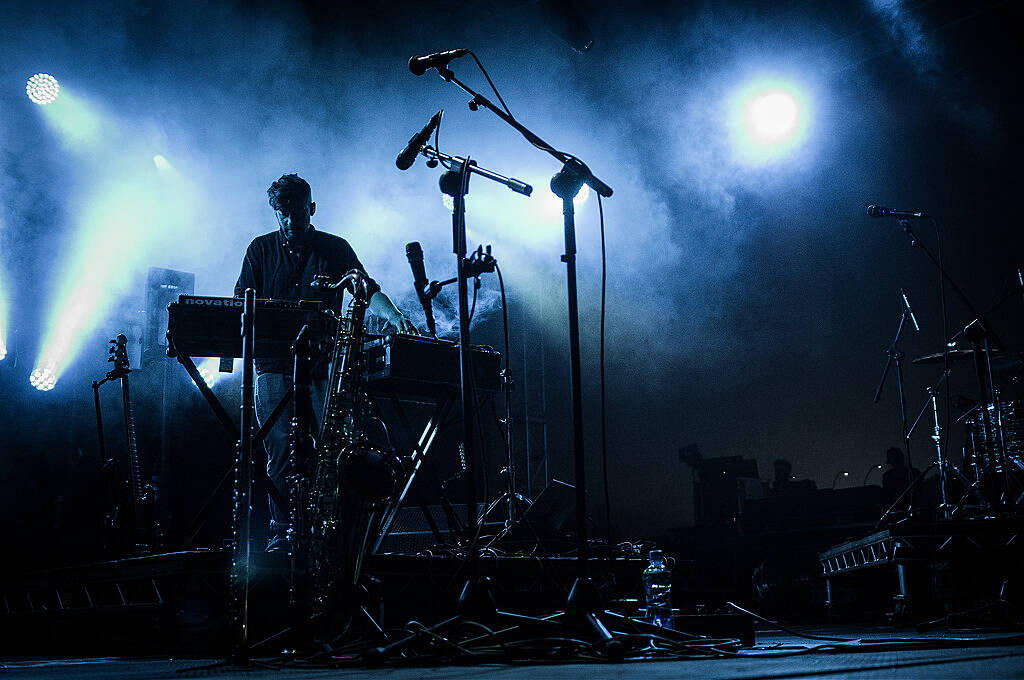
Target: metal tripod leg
[[419, 455]]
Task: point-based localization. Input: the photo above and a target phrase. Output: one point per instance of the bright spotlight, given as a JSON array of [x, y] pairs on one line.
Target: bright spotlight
[[769, 119], [42, 89], [3, 324], [773, 116], [44, 378]]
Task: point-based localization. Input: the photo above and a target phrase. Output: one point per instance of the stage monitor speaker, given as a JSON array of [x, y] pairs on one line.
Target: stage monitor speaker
[[421, 527], [551, 518]]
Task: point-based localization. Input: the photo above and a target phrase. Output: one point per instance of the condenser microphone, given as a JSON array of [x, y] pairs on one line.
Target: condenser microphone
[[408, 155], [414, 252], [879, 211], [910, 310], [419, 64]]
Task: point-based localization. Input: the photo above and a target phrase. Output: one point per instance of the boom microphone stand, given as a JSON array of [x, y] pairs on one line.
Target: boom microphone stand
[[583, 598], [476, 601]]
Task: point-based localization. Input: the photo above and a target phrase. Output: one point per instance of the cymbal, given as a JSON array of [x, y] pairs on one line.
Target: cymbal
[[999, 361]]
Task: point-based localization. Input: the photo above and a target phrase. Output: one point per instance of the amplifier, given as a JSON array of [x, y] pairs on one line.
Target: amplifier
[[412, 532]]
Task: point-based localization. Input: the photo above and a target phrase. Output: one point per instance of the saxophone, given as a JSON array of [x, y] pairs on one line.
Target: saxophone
[[349, 479]]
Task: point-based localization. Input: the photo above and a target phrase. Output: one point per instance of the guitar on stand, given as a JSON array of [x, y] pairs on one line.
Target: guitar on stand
[[135, 520]]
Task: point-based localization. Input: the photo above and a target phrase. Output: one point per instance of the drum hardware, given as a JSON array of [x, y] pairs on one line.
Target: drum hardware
[[1001, 362], [991, 412], [980, 451], [945, 466], [981, 335]]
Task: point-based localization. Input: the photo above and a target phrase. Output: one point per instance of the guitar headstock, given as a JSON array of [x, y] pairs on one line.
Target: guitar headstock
[[118, 354]]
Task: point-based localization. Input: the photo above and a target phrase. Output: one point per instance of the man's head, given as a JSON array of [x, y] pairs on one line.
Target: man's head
[[894, 456], [783, 470], [291, 199]]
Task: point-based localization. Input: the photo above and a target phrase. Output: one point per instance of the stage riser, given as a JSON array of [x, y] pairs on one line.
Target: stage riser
[[178, 603], [912, 573]]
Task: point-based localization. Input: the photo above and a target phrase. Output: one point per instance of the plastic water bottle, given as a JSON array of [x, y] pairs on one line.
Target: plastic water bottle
[[658, 590]]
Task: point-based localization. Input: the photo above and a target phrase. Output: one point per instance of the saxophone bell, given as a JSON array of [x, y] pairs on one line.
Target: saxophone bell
[[370, 477]]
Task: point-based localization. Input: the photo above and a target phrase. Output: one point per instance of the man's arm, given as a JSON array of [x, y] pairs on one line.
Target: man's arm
[[247, 278], [382, 306]]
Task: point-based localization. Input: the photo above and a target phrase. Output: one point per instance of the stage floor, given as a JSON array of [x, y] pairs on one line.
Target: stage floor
[[939, 655]]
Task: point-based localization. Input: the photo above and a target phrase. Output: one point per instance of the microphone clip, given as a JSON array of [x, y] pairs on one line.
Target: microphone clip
[[479, 262]]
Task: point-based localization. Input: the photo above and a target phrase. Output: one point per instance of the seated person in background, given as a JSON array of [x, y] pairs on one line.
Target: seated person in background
[[898, 477], [783, 472], [785, 485]]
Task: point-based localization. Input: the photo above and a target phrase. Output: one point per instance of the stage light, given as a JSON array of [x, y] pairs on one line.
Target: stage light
[[3, 323], [209, 370], [839, 475], [872, 469], [772, 116], [770, 119], [114, 232], [42, 89], [44, 378]]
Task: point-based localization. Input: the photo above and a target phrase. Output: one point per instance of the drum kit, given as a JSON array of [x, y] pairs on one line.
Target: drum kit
[[990, 478]]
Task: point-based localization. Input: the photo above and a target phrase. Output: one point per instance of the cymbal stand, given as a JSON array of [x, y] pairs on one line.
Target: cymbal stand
[[942, 462], [895, 356]]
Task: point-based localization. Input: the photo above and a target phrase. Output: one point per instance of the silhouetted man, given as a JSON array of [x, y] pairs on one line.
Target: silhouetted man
[[282, 265]]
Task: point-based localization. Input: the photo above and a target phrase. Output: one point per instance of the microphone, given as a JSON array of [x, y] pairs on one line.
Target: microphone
[[906, 302], [414, 253], [879, 211], [419, 64], [408, 155]]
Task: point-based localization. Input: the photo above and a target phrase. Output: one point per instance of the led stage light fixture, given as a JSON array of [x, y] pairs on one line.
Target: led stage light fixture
[[44, 378], [42, 89]]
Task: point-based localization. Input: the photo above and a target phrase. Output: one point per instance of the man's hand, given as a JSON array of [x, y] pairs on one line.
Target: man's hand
[[402, 323], [381, 305]]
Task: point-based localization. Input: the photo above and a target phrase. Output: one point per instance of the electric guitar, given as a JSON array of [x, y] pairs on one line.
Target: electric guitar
[[144, 528]]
